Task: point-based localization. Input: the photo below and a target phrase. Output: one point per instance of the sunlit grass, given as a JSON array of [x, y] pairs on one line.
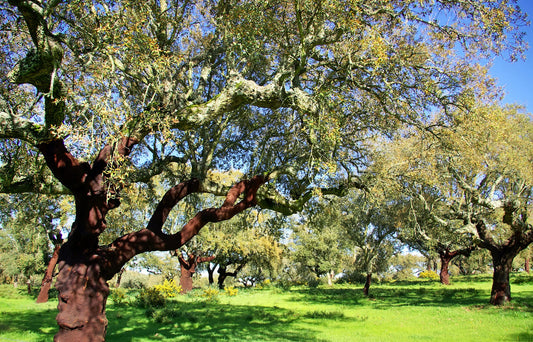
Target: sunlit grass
[[402, 311]]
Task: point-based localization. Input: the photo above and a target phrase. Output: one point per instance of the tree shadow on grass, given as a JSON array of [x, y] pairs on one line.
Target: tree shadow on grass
[[204, 321], [525, 336], [388, 297], [40, 323]]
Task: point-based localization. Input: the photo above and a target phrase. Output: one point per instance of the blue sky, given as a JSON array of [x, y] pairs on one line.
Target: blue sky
[[517, 77]]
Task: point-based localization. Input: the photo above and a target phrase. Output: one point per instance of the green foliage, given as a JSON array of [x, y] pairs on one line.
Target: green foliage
[[428, 274], [151, 297], [118, 296]]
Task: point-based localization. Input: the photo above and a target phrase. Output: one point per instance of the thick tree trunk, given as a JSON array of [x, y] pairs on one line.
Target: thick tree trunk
[[444, 273], [48, 277], [501, 287], [222, 275], [366, 288], [83, 294], [84, 266], [188, 268], [186, 279]]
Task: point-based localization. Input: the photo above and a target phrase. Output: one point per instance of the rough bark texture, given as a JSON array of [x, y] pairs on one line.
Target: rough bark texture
[[84, 266], [501, 287], [526, 264], [188, 268], [48, 276], [445, 257]]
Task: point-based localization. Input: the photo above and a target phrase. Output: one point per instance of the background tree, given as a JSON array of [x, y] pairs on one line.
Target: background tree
[[244, 244], [370, 228], [480, 177], [319, 243], [308, 82], [25, 248]]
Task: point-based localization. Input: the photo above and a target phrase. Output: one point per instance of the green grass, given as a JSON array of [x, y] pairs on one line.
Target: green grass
[[401, 311]]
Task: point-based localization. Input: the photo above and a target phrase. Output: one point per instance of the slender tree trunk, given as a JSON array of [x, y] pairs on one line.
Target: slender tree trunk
[[526, 264], [445, 257], [119, 277], [210, 273], [48, 276], [462, 270], [366, 288]]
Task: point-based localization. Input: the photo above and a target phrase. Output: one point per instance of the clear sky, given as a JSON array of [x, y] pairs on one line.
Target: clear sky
[[517, 77]]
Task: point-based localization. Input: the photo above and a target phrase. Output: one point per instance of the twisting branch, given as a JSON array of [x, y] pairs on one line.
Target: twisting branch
[[152, 238]]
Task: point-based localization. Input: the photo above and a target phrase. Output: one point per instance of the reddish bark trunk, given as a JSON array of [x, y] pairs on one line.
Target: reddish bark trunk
[[526, 264], [445, 257], [366, 288], [188, 268], [84, 266], [48, 276], [444, 273]]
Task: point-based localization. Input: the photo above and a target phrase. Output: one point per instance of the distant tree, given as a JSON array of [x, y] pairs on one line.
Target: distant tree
[[188, 263], [243, 242], [319, 242], [25, 248], [370, 229], [481, 182]]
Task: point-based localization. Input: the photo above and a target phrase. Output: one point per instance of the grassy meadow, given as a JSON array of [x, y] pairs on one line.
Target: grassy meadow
[[418, 310]]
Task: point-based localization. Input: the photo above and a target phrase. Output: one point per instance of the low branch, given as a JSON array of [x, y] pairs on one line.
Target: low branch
[[152, 238]]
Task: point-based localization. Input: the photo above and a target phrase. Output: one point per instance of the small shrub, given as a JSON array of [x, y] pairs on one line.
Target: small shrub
[[231, 291], [118, 296], [211, 294], [313, 283], [151, 297], [166, 315], [284, 284], [428, 274], [133, 284], [169, 288]]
